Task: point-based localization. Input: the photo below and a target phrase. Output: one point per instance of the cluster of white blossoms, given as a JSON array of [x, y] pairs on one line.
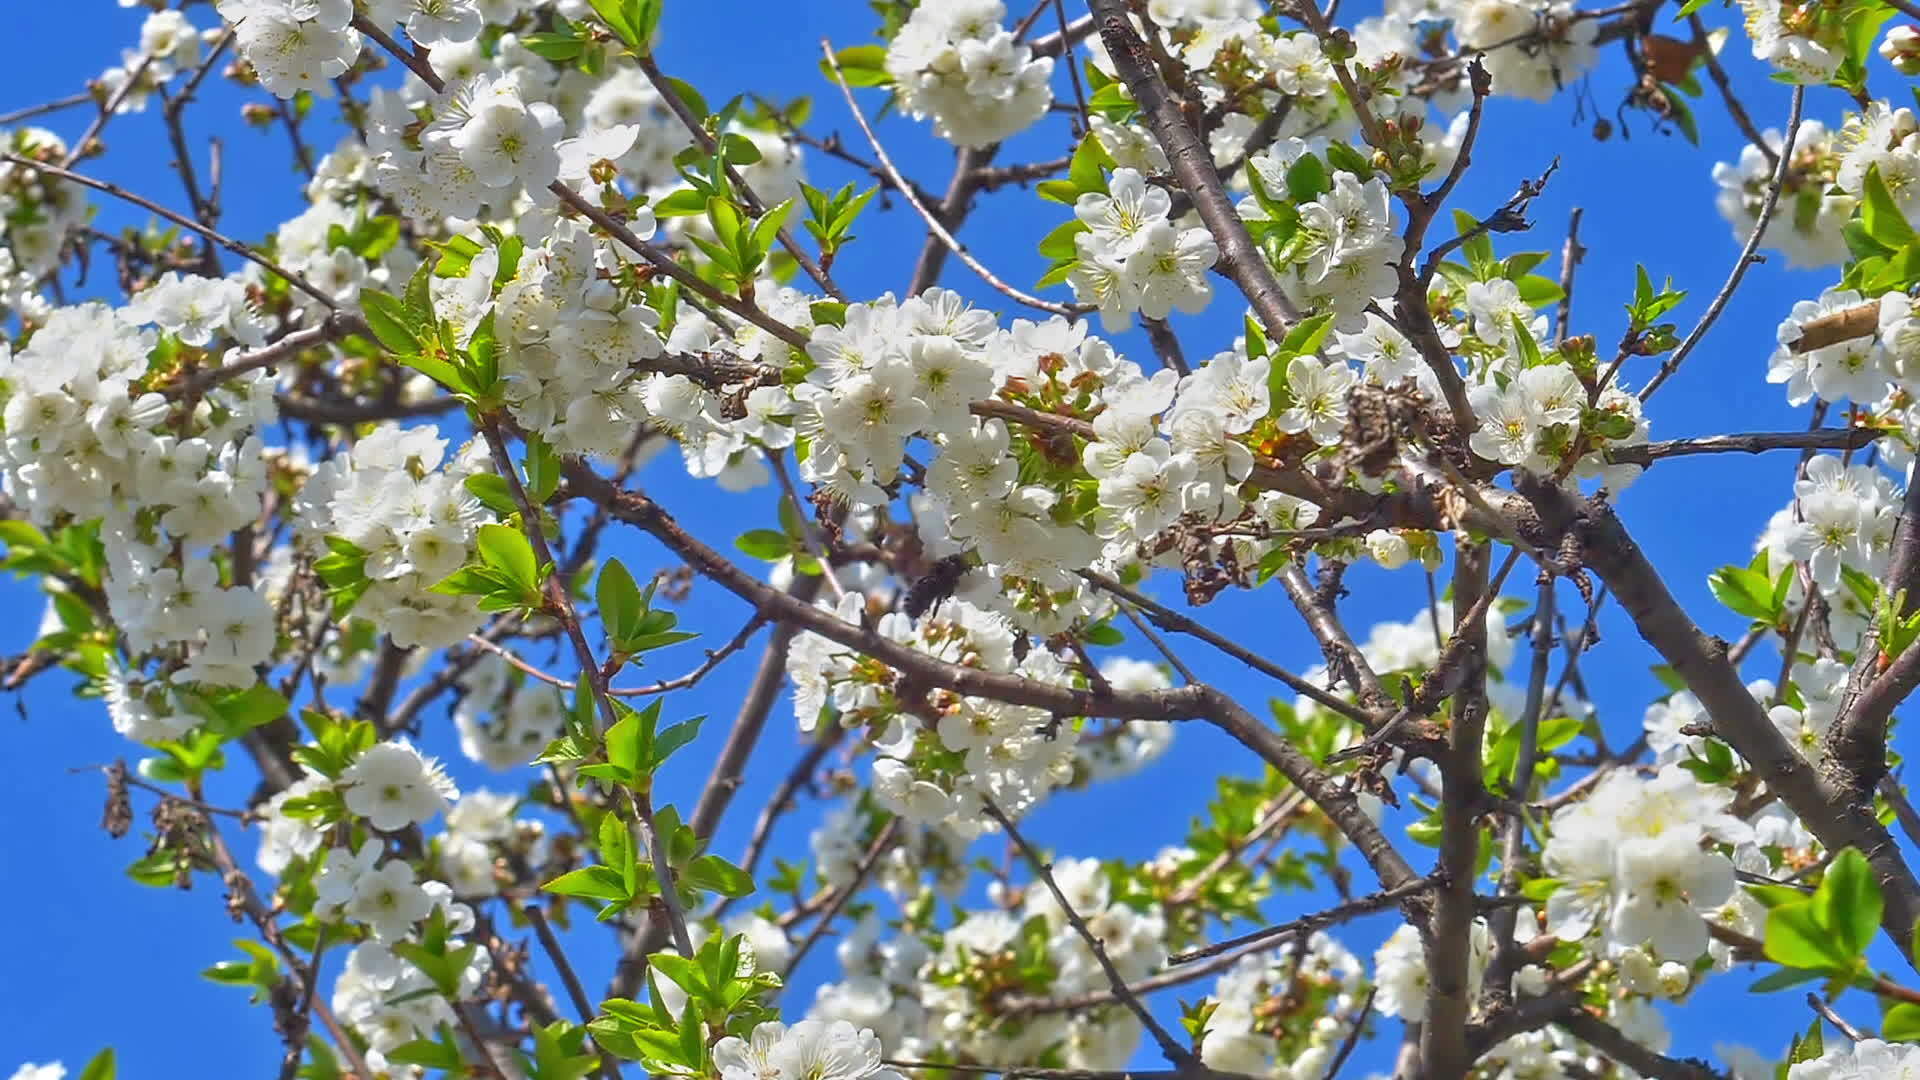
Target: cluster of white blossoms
[[1285, 1013], [929, 410], [1549, 1053], [1132, 259], [809, 1050], [294, 45], [91, 435], [1801, 46], [1868, 1059], [1841, 519], [953, 61], [1345, 251], [1807, 224], [390, 1002], [41, 216], [391, 787], [1630, 864], [505, 721], [935, 758], [390, 499], [168, 44], [1541, 413], [931, 993]]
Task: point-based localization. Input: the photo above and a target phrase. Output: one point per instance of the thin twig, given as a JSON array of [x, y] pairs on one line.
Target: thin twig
[[934, 225], [861, 872], [46, 107], [1179, 1055], [1307, 924], [1747, 252]]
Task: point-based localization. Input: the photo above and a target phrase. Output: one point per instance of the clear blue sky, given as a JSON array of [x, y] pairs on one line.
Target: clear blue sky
[[93, 959]]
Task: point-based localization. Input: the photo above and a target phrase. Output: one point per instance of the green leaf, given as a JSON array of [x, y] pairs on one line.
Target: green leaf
[[559, 48], [1539, 291], [1347, 159], [1881, 215], [1305, 338], [712, 873], [443, 1053], [614, 14], [1848, 902], [507, 550], [102, 1066], [1901, 1023], [1523, 342], [1307, 179], [1744, 592], [689, 97], [591, 882], [1782, 979], [626, 741], [765, 544], [616, 849], [1795, 938], [387, 317], [667, 742], [860, 65], [1806, 1047], [619, 600]]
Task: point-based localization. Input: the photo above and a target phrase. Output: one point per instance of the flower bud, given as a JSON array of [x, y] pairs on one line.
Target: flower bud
[[1674, 978], [1901, 48], [1638, 972], [1388, 548], [1530, 981]]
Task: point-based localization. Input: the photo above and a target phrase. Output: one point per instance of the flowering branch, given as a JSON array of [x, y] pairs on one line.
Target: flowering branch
[[1193, 167]]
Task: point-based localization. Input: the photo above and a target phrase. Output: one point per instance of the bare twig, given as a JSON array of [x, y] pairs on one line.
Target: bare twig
[[934, 224], [1747, 252], [187, 223]]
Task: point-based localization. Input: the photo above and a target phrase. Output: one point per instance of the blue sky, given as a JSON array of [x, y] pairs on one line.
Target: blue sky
[[95, 959]]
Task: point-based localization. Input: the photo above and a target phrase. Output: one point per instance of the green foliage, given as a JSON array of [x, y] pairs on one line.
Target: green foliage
[[634, 22], [102, 1067], [436, 955], [259, 970], [636, 748], [788, 541], [740, 246], [406, 326], [336, 744], [1749, 591], [1828, 932], [1897, 631], [1648, 306], [860, 65], [503, 573], [632, 624], [1086, 173], [560, 1052], [830, 217]]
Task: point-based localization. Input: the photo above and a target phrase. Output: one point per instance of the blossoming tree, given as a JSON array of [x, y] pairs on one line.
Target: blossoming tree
[[300, 503]]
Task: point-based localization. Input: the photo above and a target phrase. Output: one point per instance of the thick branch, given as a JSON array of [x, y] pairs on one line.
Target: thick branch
[[1702, 663]]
